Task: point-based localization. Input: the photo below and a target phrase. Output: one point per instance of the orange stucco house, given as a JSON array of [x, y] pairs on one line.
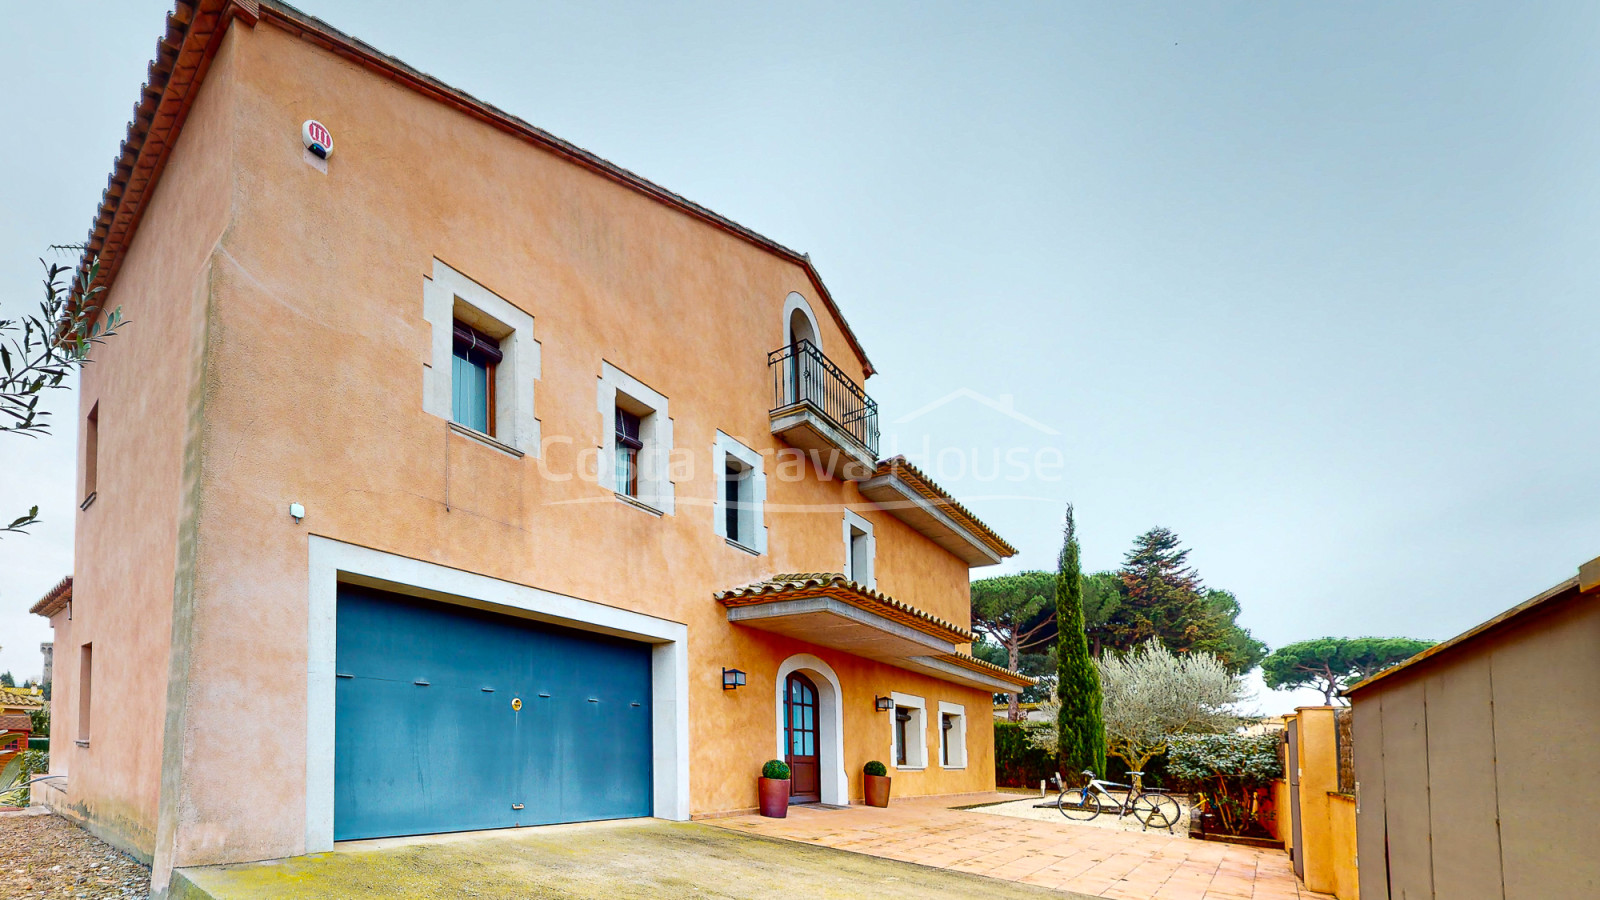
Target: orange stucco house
[[454, 479]]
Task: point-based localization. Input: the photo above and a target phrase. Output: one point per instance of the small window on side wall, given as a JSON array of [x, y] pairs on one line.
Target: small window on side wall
[[91, 456], [472, 378], [85, 690]]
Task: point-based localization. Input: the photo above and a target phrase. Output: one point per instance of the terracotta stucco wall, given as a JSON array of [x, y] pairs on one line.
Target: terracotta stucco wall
[[316, 353], [1466, 764], [130, 542]]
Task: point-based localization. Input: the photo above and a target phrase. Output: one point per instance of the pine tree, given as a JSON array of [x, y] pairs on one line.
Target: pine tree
[[1161, 596], [1081, 729]]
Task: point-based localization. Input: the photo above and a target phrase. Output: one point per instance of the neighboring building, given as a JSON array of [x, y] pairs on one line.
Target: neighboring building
[[16, 723], [48, 651], [451, 480], [1477, 762], [1030, 712]]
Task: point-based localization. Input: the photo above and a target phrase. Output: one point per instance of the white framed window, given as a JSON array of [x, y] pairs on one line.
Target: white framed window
[[482, 361], [860, 550], [739, 513], [952, 735], [909, 740], [636, 442]]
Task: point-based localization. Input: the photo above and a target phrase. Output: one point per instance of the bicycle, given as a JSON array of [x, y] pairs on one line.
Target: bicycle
[[1152, 807]]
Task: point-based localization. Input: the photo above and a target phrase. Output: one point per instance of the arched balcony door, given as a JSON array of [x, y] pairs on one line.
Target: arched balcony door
[[801, 721]]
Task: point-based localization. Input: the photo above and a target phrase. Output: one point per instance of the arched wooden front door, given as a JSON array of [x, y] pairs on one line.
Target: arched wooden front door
[[801, 738]]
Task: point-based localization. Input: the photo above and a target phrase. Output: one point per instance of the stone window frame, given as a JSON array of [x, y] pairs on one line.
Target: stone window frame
[[450, 296], [724, 448], [958, 747], [656, 489], [916, 731], [854, 521]]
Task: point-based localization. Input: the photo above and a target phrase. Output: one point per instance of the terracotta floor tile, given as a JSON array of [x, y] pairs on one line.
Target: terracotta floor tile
[[1116, 865]]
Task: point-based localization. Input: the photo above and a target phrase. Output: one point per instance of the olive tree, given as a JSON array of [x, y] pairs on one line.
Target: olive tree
[[1152, 694], [38, 352]]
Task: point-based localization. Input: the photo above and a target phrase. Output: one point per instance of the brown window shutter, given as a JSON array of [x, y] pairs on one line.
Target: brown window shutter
[[477, 346]]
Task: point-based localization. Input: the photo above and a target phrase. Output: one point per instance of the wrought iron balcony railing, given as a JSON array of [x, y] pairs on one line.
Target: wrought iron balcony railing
[[801, 374]]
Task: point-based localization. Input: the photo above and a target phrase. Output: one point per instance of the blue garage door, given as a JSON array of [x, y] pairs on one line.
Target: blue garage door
[[451, 719]]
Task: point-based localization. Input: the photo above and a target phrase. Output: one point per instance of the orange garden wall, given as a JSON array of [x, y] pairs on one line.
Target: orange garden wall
[[1327, 817], [276, 355]]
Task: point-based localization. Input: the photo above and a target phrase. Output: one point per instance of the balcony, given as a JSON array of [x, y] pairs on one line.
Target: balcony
[[817, 408]]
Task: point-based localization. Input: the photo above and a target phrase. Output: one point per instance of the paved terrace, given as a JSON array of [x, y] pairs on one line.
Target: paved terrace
[[1100, 862]]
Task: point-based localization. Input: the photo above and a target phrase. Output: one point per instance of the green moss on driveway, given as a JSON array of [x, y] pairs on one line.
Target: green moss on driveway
[[603, 861]]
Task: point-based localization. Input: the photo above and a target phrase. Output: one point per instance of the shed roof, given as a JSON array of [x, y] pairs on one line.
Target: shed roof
[[1566, 590]]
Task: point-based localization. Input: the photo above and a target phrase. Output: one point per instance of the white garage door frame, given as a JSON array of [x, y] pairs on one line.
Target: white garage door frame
[[333, 562]]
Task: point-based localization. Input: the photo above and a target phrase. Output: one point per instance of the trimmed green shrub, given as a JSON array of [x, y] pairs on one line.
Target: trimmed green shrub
[[776, 769], [875, 768], [1017, 762]]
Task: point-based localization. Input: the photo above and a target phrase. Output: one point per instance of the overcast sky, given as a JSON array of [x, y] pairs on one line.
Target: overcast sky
[[1312, 284]]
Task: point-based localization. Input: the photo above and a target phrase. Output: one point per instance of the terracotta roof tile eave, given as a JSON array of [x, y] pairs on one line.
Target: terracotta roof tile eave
[[54, 599], [931, 491], [975, 664], [799, 586]]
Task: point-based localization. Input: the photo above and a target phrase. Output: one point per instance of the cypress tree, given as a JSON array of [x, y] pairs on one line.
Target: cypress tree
[[1080, 727]]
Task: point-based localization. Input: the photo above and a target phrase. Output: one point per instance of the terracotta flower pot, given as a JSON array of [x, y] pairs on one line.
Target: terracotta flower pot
[[775, 798], [877, 789]]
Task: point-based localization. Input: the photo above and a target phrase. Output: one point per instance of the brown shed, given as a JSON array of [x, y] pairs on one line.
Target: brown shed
[[1478, 761]]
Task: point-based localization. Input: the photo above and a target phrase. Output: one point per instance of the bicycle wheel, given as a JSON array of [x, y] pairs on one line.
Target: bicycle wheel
[[1157, 811], [1077, 804]]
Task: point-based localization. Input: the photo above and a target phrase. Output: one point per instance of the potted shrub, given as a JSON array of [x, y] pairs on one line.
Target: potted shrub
[[775, 789], [877, 783]]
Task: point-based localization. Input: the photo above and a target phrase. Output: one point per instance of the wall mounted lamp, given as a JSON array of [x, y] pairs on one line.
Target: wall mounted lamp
[[884, 704], [732, 679]]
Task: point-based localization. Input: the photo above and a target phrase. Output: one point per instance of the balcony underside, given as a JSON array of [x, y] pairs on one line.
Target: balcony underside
[[899, 497], [833, 449]]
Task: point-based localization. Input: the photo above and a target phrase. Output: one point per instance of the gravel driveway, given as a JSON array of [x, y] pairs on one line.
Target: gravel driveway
[[45, 856]]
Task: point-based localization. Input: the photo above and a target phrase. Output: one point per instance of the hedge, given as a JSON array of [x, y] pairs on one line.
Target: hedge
[[1017, 763]]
